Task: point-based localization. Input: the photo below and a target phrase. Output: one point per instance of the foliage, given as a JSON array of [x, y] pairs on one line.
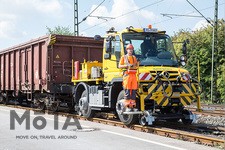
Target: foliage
[[200, 49], [59, 30]]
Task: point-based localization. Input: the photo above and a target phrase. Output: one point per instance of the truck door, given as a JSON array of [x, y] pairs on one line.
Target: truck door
[[110, 64]]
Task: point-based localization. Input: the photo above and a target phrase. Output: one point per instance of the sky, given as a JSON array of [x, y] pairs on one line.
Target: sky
[[23, 20]]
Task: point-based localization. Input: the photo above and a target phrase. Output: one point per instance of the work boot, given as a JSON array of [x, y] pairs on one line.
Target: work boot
[[129, 103], [132, 103]]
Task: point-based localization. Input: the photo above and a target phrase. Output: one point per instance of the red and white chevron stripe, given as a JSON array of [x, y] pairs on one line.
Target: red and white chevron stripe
[[145, 76]]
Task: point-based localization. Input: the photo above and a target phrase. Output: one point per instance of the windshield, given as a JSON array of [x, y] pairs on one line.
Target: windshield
[[152, 49]]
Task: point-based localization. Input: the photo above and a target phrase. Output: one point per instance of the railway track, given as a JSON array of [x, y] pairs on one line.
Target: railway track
[[219, 113], [212, 110], [172, 130]]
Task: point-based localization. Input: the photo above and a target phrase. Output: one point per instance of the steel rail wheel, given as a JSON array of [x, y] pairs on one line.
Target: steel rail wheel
[[126, 119], [187, 120], [84, 107]]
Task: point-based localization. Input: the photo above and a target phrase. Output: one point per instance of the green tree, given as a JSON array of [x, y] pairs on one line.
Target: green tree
[[59, 30], [200, 49]]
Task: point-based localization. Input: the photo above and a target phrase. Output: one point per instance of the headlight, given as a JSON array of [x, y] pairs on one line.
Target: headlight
[[183, 60], [185, 77]]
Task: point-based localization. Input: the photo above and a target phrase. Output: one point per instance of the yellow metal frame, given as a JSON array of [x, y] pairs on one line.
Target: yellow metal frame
[[85, 72]]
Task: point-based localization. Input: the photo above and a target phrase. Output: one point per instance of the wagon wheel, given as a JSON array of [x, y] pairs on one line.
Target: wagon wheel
[[20, 100], [55, 106], [1, 99], [70, 107], [40, 102], [4, 100], [126, 119], [41, 106], [84, 107]]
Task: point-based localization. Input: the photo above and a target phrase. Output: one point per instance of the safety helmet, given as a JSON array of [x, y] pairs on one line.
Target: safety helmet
[[130, 46]]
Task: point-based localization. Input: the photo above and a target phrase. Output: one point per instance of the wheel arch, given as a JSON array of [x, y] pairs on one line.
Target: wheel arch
[[78, 90]]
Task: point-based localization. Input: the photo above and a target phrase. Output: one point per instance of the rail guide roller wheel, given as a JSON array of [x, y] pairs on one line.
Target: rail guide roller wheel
[[146, 118]]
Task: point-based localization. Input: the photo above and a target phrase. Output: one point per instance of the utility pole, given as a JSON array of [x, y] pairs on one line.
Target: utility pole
[[214, 92], [76, 25]]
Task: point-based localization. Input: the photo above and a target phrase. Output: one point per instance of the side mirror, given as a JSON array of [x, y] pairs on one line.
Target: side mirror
[[108, 46], [184, 47]]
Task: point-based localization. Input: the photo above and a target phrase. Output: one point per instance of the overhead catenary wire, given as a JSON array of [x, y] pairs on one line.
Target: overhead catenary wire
[[141, 9], [186, 14], [125, 14], [169, 15], [91, 12], [200, 13]]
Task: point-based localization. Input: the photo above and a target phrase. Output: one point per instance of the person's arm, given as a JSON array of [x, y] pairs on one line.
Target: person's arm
[[121, 64]]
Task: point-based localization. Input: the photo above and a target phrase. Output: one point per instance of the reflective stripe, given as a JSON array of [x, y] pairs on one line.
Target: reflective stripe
[[145, 76], [132, 71]]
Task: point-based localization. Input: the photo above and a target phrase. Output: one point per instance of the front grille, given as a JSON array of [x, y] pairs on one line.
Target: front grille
[[172, 74]]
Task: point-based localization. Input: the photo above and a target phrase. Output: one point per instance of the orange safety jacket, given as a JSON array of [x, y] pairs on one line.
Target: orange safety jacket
[[129, 60], [129, 75]]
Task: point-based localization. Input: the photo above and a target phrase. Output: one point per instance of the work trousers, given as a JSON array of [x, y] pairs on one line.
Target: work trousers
[[130, 86]]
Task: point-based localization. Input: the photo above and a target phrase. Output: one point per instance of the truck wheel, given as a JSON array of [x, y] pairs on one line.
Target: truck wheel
[[126, 119], [84, 108]]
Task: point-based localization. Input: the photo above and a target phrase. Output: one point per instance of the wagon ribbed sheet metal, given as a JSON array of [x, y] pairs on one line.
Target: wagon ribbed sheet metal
[[17, 65], [40, 63], [66, 48]]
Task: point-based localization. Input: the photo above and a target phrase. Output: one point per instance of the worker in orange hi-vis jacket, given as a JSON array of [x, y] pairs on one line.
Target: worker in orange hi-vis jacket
[[128, 63]]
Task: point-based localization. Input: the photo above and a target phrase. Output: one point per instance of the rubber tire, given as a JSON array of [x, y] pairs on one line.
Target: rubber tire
[[126, 119]]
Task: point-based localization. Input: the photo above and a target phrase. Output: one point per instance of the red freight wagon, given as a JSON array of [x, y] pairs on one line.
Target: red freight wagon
[[41, 68]]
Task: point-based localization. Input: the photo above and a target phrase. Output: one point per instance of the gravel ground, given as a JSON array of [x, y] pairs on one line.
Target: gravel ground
[[211, 120]]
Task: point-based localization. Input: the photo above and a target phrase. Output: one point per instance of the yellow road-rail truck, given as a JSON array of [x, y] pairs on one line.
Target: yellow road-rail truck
[[164, 88]]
